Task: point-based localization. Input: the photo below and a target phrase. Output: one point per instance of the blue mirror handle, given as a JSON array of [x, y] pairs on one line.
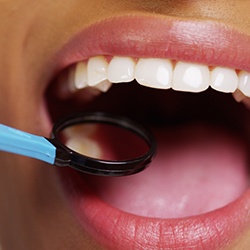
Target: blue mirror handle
[[22, 143]]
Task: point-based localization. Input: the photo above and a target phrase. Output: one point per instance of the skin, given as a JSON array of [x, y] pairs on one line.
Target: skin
[[33, 214]]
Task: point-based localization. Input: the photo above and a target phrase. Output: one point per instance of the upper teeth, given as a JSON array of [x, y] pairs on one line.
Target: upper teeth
[[156, 73]]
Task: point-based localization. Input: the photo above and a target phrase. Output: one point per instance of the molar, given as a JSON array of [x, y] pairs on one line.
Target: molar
[[191, 77], [85, 146], [79, 138], [121, 69], [155, 73], [224, 79]]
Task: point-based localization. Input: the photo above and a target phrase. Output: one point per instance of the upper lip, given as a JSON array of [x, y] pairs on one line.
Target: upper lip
[[204, 42]]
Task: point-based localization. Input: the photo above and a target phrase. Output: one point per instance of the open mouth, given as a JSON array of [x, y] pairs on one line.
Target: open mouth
[[202, 138], [199, 114]]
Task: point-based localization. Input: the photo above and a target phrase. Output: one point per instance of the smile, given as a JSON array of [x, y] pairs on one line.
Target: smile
[[196, 191], [154, 73]]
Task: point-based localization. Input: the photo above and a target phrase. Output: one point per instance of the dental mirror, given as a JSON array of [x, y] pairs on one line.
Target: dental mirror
[[94, 143]]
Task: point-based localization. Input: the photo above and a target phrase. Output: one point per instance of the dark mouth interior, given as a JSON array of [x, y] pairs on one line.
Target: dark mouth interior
[[154, 107], [164, 110]]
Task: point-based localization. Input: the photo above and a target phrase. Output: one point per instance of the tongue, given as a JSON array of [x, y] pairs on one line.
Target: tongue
[[197, 169]]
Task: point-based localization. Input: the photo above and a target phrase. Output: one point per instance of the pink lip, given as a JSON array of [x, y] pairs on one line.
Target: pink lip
[[116, 229], [205, 42], [194, 41]]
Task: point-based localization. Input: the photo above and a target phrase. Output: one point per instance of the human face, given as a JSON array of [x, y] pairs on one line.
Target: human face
[[195, 194]]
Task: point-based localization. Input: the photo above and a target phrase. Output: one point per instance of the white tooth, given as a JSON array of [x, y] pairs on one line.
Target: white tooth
[[104, 86], [121, 69], [84, 146], [191, 77], [79, 138], [155, 73], [80, 130], [244, 83], [65, 82], [80, 77], [224, 80], [97, 70], [71, 79]]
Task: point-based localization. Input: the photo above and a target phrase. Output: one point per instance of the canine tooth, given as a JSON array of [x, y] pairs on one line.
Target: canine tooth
[[121, 69], [191, 77], [224, 79], [96, 70], [80, 77], [155, 73], [244, 83], [104, 86]]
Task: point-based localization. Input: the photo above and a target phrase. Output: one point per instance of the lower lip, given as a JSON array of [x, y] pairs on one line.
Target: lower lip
[[115, 229]]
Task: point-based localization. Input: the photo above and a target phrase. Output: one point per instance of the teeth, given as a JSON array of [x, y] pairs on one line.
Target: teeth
[[156, 73], [191, 77], [80, 77], [104, 86], [66, 83], [84, 146], [98, 74], [224, 80], [97, 70], [79, 139], [121, 69], [244, 83]]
